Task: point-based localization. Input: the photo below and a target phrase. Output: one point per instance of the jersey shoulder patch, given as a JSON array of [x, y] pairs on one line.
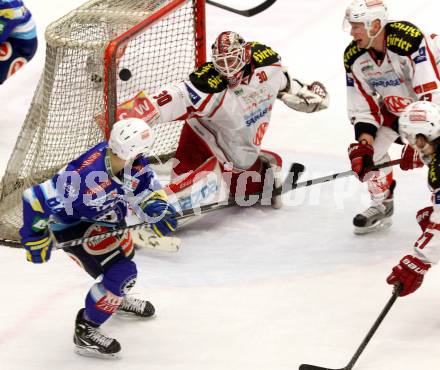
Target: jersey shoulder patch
[[351, 53], [208, 80], [403, 37], [434, 172], [263, 55]]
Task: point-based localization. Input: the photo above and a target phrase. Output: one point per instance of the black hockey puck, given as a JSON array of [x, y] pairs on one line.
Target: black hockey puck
[[124, 74]]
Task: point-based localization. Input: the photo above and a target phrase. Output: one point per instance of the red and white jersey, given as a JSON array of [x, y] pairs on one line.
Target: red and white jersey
[[232, 121], [408, 71]]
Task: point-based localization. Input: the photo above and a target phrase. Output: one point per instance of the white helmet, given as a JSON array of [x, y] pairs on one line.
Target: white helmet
[[420, 118], [230, 53], [366, 11], [130, 137]]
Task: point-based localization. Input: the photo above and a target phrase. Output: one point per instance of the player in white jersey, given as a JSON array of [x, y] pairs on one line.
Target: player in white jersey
[[227, 105], [420, 127], [388, 65]]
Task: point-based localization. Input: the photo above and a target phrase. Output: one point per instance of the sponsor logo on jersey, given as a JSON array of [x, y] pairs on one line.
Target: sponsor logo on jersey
[[205, 69], [260, 133], [425, 87], [39, 224], [367, 68], [16, 65], [138, 107], [350, 81], [195, 98], [384, 82], [106, 305], [197, 197], [99, 187], [214, 81], [395, 40], [351, 52], [88, 161], [408, 29], [256, 115], [396, 104], [261, 55], [101, 246], [421, 57], [5, 51]]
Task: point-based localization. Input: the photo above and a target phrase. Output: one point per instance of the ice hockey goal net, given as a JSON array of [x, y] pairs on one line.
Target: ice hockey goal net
[[98, 56]]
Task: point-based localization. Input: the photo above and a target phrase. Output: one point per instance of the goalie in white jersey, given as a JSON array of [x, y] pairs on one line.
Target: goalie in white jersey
[[389, 64], [227, 105]]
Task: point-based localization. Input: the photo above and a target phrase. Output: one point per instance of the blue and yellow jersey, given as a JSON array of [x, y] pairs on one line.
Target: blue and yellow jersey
[[16, 21], [87, 190]]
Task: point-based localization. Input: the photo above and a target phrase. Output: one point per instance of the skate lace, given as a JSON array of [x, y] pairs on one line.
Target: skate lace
[[134, 304], [99, 338], [372, 211]]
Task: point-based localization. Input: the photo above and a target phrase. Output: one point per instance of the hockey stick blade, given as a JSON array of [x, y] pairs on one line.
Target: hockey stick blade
[[245, 13], [313, 367], [374, 327]]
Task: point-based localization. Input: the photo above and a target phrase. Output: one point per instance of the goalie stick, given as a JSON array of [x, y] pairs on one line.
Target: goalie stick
[[246, 13], [367, 338], [288, 185]]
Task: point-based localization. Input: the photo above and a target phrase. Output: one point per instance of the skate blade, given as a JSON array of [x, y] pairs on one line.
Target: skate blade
[[130, 315], [90, 352], [383, 224]]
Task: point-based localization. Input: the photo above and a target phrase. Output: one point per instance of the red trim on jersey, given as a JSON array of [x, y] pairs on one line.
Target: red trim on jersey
[[203, 105], [374, 108], [432, 59]]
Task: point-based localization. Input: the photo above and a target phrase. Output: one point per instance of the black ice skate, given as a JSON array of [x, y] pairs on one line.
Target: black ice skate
[[376, 217], [135, 307], [89, 341]]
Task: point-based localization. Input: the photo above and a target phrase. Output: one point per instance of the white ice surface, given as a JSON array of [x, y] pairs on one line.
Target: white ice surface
[[251, 289]]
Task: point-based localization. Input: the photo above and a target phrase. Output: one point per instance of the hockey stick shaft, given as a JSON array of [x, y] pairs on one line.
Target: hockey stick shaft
[[288, 185], [340, 175], [367, 338], [294, 173], [246, 13]]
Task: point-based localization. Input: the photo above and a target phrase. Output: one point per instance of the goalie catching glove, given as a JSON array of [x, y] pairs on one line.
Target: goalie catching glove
[[38, 248], [161, 214], [306, 98]]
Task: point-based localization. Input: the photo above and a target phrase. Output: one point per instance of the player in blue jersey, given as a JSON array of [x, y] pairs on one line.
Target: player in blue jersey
[[90, 196], [18, 37]]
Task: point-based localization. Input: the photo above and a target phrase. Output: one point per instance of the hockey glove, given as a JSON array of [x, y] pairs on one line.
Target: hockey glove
[[423, 217], [162, 215], [410, 158], [306, 98], [361, 157], [409, 273], [38, 248]]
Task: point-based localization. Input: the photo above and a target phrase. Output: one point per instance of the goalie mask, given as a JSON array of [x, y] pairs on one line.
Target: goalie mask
[[130, 137], [230, 53], [420, 118]]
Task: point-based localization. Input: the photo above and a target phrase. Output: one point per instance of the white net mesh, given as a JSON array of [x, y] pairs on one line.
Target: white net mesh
[[60, 124]]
